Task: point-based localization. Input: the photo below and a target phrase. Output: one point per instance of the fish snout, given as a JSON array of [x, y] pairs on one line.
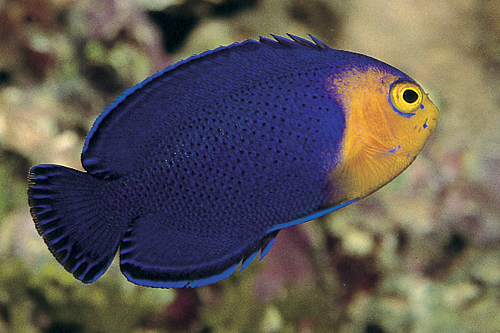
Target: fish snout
[[430, 123]]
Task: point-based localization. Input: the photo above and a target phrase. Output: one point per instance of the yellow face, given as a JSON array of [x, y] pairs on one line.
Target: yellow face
[[388, 120]]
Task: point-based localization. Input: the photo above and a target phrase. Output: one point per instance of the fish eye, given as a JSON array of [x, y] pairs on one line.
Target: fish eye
[[406, 96], [410, 96]]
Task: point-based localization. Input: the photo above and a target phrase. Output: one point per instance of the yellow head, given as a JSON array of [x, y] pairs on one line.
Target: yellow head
[[388, 120]]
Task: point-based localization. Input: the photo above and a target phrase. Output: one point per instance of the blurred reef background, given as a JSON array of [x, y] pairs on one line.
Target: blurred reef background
[[421, 255]]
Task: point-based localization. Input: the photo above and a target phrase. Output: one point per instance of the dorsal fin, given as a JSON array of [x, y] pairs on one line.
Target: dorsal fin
[[319, 43], [295, 41], [116, 143], [305, 42], [283, 40]]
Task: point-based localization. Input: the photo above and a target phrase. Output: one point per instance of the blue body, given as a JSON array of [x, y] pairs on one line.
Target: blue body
[[197, 168]]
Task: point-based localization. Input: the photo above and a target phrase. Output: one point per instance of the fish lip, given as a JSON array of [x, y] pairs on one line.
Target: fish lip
[[431, 123]]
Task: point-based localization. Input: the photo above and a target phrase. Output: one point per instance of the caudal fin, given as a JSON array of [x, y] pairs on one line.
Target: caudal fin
[[70, 213]]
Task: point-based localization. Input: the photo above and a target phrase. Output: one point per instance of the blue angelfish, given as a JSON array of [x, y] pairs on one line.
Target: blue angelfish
[[194, 171]]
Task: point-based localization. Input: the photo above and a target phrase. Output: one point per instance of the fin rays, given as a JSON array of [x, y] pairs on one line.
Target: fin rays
[[66, 211], [173, 263], [295, 41]]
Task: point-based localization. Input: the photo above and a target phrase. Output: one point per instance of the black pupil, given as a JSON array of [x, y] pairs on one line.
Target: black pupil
[[410, 96]]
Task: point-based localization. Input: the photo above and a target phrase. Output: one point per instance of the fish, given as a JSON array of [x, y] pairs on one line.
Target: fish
[[193, 172]]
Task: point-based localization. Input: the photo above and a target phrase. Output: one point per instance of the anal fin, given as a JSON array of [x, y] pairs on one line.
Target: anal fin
[[157, 252]]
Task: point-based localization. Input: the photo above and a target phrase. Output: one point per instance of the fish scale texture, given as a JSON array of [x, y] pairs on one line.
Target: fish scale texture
[[196, 169], [206, 178], [232, 79], [209, 151]]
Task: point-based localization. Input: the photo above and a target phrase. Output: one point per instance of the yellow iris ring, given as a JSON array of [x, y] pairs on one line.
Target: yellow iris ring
[[406, 96]]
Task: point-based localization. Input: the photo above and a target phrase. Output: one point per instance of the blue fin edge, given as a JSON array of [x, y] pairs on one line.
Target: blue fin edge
[[136, 87], [185, 283], [245, 262], [311, 217], [279, 41], [266, 245]]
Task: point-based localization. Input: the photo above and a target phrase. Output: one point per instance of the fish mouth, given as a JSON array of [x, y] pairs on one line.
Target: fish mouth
[[430, 124]]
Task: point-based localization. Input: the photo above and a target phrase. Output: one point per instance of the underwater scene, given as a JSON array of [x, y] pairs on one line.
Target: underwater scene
[[422, 254]]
